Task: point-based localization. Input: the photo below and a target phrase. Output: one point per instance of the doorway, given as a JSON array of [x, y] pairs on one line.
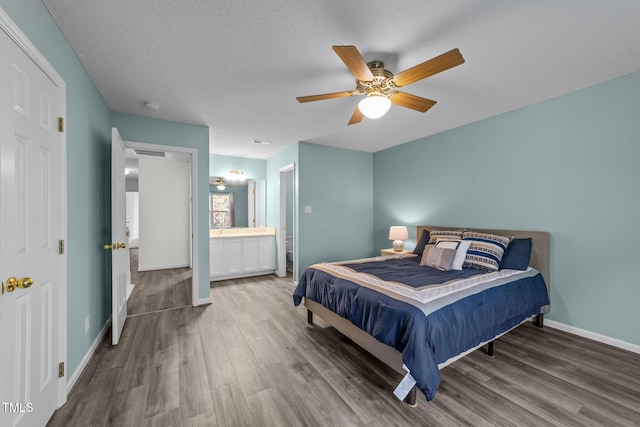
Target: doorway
[[160, 283], [287, 243]]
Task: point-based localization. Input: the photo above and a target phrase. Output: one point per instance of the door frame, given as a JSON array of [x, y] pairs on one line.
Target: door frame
[[282, 221], [20, 39], [193, 206]]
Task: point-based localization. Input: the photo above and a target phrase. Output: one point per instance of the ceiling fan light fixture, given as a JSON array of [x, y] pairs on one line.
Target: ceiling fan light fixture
[[374, 106], [220, 184]]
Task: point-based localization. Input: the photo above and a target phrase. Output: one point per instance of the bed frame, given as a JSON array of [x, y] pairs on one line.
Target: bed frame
[[393, 358]]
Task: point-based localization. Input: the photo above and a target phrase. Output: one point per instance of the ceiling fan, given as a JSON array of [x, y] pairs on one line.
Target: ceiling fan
[[380, 85]]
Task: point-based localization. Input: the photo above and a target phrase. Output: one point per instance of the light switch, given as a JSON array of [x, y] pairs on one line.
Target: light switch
[[307, 209]]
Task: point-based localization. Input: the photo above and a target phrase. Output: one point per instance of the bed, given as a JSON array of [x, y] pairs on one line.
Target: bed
[[417, 319]]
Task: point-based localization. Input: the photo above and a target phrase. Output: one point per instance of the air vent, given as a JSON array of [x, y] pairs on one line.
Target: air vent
[[140, 152]]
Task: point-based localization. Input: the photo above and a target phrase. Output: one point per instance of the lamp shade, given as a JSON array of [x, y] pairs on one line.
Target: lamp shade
[[398, 232], [374, 106]]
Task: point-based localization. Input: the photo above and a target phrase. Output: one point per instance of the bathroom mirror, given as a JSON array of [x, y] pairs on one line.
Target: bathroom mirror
[[247, 203]]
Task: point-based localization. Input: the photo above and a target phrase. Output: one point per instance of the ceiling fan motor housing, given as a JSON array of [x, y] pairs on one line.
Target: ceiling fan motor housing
[[382, 83]]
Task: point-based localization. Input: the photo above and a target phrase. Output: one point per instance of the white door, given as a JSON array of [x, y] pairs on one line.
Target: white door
[[119, 239], [32, 221]]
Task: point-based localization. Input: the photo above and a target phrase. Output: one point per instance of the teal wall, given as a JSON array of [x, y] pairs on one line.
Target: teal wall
[[88, 175], [337, 184], [163, 132], [220, 165], [317, 234], [569, 166]]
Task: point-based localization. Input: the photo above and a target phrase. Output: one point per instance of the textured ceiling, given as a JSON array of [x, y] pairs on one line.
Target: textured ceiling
[[237, 66]]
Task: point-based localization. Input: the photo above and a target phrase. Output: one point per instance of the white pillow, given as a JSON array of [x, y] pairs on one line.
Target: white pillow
[[448, 243], [461, 254]]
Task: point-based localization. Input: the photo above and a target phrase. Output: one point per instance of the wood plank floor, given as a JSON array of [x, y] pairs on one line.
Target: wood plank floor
[[158, 289], [250, 359]]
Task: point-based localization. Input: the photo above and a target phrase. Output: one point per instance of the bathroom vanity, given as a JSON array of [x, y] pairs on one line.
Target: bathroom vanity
[[241, 252]]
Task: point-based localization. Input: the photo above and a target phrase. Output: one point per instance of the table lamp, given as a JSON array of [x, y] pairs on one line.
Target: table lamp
[[398, 233]]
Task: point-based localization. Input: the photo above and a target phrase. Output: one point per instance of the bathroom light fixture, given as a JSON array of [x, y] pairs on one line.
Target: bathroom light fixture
[[260, 142], [220, 184], [398, 233], [374, 106], [236, 175]]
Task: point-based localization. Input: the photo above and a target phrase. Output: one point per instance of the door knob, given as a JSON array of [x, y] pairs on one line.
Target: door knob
[[11, 284], [114, 246], [25, 282], [22, 283]]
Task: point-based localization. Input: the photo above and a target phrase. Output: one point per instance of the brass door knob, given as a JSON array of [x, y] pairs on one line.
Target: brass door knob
[[11, 284], [114, 246], [25, 282], [22, 283]]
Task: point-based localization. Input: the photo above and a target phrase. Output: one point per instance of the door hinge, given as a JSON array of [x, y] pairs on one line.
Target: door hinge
[[60, 247], [60, 369], [60, 124]]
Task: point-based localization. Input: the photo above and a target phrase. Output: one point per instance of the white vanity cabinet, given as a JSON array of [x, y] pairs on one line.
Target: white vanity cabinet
[[232, 256]]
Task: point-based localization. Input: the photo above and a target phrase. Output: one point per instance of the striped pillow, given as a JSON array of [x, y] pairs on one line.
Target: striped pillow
[[444, 235], [486, 250]]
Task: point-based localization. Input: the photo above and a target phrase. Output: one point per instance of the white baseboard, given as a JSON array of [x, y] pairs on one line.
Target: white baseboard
[[204, 301], [87, 357], [164, 267], [130, 287], [593, 336], [218, 278]]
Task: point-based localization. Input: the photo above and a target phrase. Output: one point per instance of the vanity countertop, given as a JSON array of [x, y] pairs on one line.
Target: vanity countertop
[[241, 232]]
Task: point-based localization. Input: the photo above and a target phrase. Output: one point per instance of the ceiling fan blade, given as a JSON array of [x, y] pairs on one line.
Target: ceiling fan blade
[[323, 96], [356, 117], [411, 101], [429, 68], [354, 61]]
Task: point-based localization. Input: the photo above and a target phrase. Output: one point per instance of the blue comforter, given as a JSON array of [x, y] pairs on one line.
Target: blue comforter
[[427, 315]]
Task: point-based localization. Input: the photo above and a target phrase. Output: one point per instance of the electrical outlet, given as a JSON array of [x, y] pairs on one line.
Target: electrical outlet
[[87, 324]]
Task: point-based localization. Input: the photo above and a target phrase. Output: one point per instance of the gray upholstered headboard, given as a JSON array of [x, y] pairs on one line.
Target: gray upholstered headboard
[[539, 245]]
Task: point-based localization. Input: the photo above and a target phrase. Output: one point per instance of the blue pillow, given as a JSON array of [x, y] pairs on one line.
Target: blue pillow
[[517, 255], [424, 239]]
